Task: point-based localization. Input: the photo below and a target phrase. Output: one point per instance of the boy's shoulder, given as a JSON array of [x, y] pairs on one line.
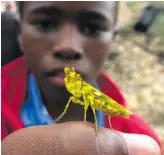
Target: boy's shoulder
[[13, 86], [14, 66], [13, 80]]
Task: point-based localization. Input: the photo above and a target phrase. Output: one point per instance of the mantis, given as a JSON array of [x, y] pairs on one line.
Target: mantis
[[86, 95]]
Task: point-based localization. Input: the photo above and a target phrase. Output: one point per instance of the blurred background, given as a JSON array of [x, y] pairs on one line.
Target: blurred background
[[137, 60], [136, 63]]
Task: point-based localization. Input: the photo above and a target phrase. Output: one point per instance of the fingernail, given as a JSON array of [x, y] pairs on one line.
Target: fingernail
[[141, 145]]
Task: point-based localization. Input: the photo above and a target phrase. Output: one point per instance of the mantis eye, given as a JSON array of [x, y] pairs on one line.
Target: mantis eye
[[66, 70], [72, 69]]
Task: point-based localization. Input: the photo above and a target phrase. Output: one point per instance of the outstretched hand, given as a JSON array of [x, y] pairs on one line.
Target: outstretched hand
[[76, 138]]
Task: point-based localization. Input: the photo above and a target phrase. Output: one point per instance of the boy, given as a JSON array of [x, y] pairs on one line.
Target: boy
[[53, 34]]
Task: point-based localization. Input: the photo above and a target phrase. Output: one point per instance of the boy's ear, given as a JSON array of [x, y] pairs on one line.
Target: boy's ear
[[20, 38], [20, 42]]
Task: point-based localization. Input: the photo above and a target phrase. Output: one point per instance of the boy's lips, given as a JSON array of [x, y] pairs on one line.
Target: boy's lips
[[56, 77], [57, 80]]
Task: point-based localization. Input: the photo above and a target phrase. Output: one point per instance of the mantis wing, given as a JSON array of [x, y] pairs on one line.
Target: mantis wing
[[110, 105]]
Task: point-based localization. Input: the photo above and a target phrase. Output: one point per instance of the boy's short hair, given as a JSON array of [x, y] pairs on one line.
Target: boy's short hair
[[20, 6]]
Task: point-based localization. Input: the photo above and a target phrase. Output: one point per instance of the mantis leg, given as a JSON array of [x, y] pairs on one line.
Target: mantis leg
[[91, 99], [65, 109], [109, 117], [74, 100], [86, 105], [95, 118]]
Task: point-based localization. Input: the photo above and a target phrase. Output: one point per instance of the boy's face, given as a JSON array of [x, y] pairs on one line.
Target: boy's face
[[57, 33]]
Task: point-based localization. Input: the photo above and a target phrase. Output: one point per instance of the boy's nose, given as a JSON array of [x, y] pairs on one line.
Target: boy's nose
[[68, 45], [67, 55]]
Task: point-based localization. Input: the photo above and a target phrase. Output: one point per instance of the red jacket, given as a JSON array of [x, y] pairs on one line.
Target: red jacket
[[14, 80]]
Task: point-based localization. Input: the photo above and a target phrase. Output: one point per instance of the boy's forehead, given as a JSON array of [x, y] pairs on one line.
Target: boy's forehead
[[104, 7]]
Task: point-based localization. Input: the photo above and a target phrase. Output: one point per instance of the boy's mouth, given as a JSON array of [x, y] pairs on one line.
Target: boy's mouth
[[56, 77]]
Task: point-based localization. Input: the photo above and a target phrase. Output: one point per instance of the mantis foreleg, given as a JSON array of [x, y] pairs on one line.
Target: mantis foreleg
[[73, 99]]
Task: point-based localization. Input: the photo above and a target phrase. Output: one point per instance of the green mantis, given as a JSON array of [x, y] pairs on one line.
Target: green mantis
[[90, 97]]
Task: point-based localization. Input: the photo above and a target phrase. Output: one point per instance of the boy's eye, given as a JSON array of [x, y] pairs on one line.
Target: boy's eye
[[92, 28], [46, 25]]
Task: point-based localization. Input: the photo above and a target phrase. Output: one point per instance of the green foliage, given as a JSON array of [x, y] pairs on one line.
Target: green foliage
[[157, 27], [133, 5]]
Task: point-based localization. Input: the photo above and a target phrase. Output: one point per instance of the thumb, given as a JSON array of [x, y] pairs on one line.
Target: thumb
[[141, 144]]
